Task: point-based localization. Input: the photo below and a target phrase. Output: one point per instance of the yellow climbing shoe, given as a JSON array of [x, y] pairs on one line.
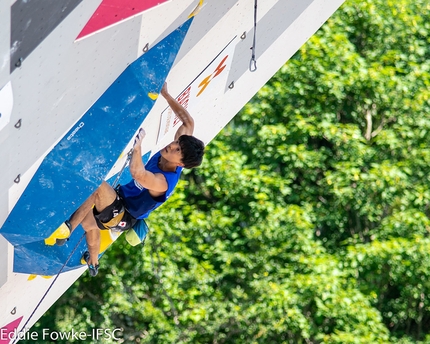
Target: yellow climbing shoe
[[60, 235]]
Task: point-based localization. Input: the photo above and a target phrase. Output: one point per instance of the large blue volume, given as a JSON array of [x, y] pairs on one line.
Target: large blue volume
[[78, 164]]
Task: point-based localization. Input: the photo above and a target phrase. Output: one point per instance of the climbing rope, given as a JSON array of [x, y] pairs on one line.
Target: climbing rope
[[47, 291], [253, 62]]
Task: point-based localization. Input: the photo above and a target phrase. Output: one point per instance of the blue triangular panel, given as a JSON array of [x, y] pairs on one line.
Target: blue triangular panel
[[82, 159]]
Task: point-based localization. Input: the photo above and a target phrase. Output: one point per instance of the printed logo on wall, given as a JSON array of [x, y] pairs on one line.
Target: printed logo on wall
[[209, 83]]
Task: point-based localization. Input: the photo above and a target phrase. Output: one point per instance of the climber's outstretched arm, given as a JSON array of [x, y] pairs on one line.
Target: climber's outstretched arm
[[187, 127]]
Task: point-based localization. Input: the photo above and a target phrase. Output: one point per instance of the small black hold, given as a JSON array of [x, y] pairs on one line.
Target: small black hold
[[243, 35], [18, 124], [13, 311], [231, 86], [19, 62], [17, 179]]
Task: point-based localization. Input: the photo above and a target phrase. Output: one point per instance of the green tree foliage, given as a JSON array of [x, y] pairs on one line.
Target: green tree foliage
[[308, 221]]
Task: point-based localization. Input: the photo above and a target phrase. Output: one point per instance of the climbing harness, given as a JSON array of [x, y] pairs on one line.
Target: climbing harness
[[253, 61]]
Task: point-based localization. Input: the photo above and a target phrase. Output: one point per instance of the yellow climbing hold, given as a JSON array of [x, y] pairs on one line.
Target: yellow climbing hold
[[107, 238], [197, 9], [61, 232], [152, 95], [32, 277]]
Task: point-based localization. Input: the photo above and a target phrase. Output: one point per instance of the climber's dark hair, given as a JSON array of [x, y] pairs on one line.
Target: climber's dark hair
[[192, 151]]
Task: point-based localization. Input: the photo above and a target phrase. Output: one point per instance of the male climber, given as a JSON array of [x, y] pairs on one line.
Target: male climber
[[150, 187]]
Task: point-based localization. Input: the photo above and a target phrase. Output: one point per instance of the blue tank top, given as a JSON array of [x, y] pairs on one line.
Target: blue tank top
[[138, 200]]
